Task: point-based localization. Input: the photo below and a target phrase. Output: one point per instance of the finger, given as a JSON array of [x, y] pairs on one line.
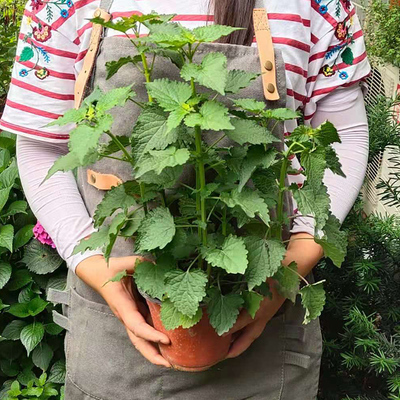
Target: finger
[[148, 350], [243, 342], [135, 322], [243, 320]]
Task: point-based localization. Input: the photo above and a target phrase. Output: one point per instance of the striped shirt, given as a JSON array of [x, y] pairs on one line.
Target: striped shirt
[[321, 42]]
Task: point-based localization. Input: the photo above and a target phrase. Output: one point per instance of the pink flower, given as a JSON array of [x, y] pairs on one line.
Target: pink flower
[[42, 236]]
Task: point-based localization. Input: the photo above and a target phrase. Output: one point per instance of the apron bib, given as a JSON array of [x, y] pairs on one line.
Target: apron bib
[[282, 364]]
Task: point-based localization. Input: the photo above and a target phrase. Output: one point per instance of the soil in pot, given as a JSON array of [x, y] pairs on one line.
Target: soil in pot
[[195, 349]]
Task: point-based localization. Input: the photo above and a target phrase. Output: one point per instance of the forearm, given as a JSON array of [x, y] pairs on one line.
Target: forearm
[[57, 203]]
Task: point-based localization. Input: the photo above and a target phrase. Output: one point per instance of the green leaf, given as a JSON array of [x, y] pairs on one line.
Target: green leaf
[[334, 241], [248, 131], [347, 56], [211, 116], [106, 149], [326, 134], [25, 376], [13, 330], [150, 278], [9, 368], [256, 157], [264, 257], [5, 273], [314, 164], [20, 310], [118, 277], [288, 281], [16, 207], [211, 73], [249, 201], [281, 114], [19, 279], [14, 389], [115, 98], [186, 289], [32, 391], [252, 302], [113, 231], [96, 240], [151, 132], [26, 54], [118, 197], [57, 372], [6, 236], [158, 160], [169, 94], [71, 116], [23, 236], [36, 306], [238, 80], [173, 319], [9, 175], [114, 66], [332, 161], [41, 259], [315, 204], [251, 105], [211, 33], [156, 230], [313, 300], [223, 310], [4, 195], [53, 329], [32, 335], [232, 257], [42, 356], [166, 179]]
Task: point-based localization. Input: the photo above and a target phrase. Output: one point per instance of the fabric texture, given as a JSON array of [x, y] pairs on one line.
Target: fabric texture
[[321, 42]]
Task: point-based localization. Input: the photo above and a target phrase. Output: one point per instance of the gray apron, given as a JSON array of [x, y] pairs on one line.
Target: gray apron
[[282, 364]]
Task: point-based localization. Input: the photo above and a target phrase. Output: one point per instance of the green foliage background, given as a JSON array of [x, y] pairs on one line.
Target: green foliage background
[[361, 322]]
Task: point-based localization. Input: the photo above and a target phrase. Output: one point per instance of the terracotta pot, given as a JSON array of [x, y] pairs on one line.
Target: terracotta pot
[[195, 349]]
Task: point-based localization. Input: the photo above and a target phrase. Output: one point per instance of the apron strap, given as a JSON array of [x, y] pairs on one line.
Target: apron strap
[[261, 29]]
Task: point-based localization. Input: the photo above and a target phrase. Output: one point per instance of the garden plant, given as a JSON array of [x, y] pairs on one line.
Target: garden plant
[[213, 243]]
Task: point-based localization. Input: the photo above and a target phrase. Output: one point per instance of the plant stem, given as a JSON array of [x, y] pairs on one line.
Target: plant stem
[[224, 222], [121, 147], [282, 188], [147, 74]]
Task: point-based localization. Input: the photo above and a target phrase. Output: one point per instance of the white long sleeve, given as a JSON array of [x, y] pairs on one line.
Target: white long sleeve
[[59, 207], [56, 203], [345, 108]]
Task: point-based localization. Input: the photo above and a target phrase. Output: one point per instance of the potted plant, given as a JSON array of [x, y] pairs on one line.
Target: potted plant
[[214, 244]]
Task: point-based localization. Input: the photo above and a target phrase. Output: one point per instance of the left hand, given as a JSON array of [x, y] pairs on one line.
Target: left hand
[[306, 254]]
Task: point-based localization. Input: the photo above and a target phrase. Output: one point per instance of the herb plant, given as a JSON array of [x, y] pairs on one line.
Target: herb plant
[[214, 242]]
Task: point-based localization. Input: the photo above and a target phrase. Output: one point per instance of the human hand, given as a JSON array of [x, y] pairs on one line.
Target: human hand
[[124, 302]]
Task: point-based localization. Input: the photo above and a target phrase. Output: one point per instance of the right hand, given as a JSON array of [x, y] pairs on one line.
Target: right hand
[[124, 302]]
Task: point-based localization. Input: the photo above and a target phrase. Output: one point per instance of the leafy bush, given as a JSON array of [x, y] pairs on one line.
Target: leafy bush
[[383, 31], [31, 345], [361, 322]]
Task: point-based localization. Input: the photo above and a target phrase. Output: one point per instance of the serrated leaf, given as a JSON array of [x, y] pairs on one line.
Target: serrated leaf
[[332, 161], [151, 132], [118, 197], [5, 274], [96, 240], [249, 201], [186, 289], [118, 277], [41, 259], [256, 157], [32, 335], [281, 114], [288, 281], [173, 319], [156, 230], [313, 300], [169, 94], [114, 66], [158, 160], [232, 256], [326, 134], [252, 302], [166, 179], [12, 331], [251, 105], [248, 131], [238, 80], [211, 116], [70, 116], [150, 278], [211, 33], [314, 164], [26, 54], [115, 98], [6, 236], [57, 372], [211, 73], [223, 310], [42, 356], [264, 257], [334, 241]]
